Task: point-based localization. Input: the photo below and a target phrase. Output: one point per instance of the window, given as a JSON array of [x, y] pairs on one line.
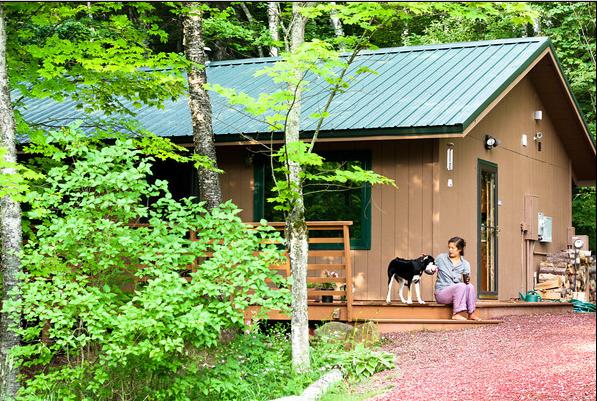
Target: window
[[329, 202]]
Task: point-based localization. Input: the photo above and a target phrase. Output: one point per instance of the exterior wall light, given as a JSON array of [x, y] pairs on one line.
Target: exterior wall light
[[538, 115], [491, 142]]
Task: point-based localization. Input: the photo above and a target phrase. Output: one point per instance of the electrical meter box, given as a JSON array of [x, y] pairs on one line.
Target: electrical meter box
[[544, 228]]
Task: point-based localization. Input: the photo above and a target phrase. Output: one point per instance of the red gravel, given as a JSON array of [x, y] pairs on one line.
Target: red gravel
[[537, 357]]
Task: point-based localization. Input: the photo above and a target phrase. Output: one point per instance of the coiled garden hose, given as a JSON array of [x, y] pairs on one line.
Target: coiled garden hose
[[580, 306]]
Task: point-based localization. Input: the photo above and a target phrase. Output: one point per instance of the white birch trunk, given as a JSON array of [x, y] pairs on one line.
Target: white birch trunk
[[273, 23], [296, 227], [10, 230], [336, 23], [203, 139]]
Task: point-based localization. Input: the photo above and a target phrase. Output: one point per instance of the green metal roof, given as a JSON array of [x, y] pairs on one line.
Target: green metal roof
[[435, 89]]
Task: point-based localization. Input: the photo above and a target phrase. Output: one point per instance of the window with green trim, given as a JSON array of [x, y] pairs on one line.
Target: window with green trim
[[324, 202]]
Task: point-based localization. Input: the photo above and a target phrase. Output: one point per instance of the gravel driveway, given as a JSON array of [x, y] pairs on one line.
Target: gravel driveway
[[536, 357]]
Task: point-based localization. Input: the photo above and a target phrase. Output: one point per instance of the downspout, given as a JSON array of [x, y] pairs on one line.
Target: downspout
[[523, 257], [530, 249]]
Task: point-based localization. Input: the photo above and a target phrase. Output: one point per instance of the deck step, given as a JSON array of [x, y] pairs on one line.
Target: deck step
[[394, 325]]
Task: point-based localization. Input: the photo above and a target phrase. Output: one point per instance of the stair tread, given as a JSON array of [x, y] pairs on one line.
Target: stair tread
[[480, 304], [438, 321]]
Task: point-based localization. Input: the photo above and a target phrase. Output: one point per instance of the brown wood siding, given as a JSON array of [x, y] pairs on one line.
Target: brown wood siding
[[521, 171], [402, 217], [423, 212]]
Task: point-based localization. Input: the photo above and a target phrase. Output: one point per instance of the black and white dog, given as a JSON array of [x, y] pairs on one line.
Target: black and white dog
[[409, 271]]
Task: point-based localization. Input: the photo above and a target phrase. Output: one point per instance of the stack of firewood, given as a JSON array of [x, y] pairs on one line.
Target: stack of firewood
[[556, 276]]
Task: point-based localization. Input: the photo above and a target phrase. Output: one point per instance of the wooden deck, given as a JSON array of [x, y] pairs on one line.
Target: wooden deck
[[430, 316], [390, 317]]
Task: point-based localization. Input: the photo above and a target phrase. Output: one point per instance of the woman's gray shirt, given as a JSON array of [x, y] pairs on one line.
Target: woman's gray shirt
[[449, 274]]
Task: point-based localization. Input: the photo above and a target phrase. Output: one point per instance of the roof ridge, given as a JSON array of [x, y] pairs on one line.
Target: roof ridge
[[392, 50]]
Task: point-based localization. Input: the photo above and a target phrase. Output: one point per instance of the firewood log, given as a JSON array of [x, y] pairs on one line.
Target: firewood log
[[548, 276], [549, 284], [552, 270]]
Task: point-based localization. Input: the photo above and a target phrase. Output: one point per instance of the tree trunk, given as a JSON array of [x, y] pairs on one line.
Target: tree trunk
[[336, 23], [249, 16], [273, 21], [10, 230], [296, 227], [203, 138]]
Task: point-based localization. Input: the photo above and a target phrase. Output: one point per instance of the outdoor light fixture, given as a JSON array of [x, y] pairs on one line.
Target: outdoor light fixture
[[491, 142], [538, 138], [538, 115]]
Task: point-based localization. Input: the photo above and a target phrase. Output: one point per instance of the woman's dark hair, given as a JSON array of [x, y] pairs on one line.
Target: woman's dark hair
[[459, 243]]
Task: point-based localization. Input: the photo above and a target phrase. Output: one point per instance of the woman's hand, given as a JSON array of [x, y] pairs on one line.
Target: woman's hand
[[466, 278]]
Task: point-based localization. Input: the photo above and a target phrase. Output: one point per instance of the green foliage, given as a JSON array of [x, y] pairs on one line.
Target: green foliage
[[227, 31], [255, 366], [571, 27], [314, 59], [93, 53], [316, 172], [106, 306], [583, 219], [457, 22], [14, 178], [356, 364]]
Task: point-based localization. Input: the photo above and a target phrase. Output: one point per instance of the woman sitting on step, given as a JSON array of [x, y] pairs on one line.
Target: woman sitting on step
[[453, 281]]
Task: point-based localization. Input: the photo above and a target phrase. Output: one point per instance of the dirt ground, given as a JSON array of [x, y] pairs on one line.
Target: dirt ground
[[537, 357]]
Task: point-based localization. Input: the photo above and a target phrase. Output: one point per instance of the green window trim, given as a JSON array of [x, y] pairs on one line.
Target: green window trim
[[363, 242]]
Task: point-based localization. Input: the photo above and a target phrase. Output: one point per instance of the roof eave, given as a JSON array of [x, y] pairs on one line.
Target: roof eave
[[339, 135]]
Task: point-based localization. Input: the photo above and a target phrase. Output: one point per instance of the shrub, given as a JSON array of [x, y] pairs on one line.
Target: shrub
[[356, 363], [107, 313]]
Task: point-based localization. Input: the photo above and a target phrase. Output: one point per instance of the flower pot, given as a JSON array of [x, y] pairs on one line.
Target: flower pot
[[328, 299]]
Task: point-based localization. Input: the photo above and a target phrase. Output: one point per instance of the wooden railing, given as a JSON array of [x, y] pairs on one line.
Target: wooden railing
[[326, 265], [321, 263]]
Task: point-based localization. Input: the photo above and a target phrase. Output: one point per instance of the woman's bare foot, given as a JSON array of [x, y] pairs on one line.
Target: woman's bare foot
[[473, 316], [458, 316]]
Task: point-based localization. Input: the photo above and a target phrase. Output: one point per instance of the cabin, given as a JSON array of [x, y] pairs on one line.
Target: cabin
[[484, 140]]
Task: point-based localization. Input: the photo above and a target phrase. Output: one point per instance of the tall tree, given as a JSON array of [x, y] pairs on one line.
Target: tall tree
[[312, 58], [90, 53], [10, 230], [296, 227], [203, 139], [251, 20], [273, 20], [336, 23]]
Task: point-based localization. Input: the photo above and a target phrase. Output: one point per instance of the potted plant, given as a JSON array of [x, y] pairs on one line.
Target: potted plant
[[328, 286]]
